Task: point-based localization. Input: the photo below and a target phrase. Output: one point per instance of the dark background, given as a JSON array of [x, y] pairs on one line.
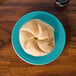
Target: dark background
[[11, 64]]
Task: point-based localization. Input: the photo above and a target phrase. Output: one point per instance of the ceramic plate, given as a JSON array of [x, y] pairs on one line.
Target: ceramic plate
[[59, 34]]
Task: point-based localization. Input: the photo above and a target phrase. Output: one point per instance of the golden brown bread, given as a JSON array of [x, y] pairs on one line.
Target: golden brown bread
[[37, 37]]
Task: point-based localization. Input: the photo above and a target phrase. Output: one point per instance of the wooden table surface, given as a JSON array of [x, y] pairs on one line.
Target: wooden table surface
[[11, 64]]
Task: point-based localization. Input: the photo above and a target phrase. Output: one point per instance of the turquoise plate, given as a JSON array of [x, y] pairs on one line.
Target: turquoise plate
[[60, 38]]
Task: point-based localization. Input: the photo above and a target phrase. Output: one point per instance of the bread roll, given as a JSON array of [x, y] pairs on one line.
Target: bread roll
[[37, 37]]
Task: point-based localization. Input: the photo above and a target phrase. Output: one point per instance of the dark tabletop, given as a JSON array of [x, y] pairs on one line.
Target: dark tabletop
[[11, 64]]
